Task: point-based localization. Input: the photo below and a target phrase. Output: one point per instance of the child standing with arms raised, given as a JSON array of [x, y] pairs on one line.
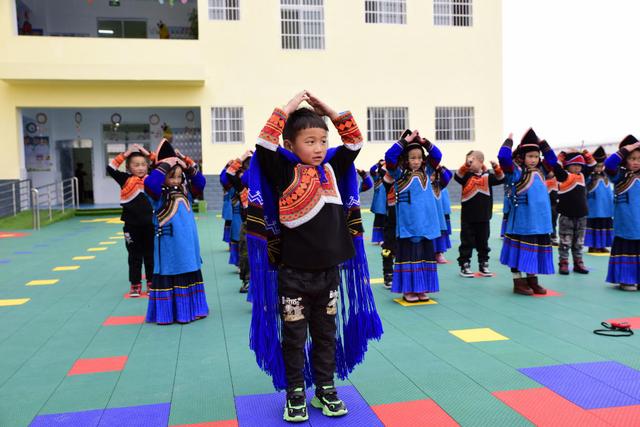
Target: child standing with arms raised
[[305, 247], [177, 291], [137, 213], [624, 169], [415, 271], [527, 246]]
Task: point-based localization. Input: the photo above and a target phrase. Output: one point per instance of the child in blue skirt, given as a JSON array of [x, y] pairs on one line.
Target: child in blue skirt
[[415, 271], [624, 169], [439, 181], [527, 245], [379, 201], [177, 291], [599, 233]]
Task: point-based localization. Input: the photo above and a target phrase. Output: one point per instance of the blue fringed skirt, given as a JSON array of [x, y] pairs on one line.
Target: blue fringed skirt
[[442, 243], [378, 228], [531, 254], [415, 268], [599, 233], [503, 227], [234, 254], [447, 219], [624, 262], [180, 298], [226, 235]]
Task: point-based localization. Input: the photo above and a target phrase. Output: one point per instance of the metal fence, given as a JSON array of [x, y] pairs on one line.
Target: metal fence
[[52, 197], [15, 197]]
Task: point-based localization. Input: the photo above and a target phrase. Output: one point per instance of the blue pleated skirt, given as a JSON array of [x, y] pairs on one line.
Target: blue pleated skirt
[[415, 268], [624, 262], [531, 254], [180, 298]]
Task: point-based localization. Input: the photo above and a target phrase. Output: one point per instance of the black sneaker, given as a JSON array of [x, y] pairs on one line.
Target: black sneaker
[[388, 281], [295, 409], [483, 268], [326, 398], [465, 270], [244, 288]]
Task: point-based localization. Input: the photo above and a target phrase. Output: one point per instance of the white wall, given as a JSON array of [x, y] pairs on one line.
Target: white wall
[[61, 126], [571, 69], [78, 16]]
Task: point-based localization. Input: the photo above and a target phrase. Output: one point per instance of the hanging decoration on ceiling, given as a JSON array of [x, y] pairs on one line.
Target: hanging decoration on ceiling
[[77, 118]]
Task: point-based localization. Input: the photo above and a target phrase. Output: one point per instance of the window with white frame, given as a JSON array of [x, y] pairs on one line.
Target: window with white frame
[[455, 124], [224, 10], [227, 125], [302, 24], [386, 124], [385, 11], [456, 13]]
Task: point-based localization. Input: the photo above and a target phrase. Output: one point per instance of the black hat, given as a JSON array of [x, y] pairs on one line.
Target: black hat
[[628, 140], [529, 142], [413, 144], [599, 155], [165, 150], [574, 158]]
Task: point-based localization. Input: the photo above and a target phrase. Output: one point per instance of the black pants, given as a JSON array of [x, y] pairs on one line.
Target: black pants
[[309, 299], [243, 255], [474, 235], [139, 242]]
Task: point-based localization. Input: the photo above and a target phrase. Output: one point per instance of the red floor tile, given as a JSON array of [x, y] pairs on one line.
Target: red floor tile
[[550, 293], [227, 423], [123, 320], [623, 416], [544, 408], [102, 364], [413, 414]]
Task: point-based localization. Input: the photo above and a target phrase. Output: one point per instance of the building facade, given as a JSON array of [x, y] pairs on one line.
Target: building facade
[[435, 65]]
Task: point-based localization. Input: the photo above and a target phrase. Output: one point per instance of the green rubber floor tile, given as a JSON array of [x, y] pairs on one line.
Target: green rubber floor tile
[[81, 393]]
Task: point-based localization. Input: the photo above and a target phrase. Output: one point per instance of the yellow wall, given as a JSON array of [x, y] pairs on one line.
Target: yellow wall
[[240, 63]]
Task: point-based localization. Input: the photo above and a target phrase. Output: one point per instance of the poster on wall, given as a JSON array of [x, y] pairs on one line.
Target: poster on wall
[[37, 153]]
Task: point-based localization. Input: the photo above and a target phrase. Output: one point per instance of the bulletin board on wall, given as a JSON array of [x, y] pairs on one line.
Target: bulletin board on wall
[[37, 153], [117, 139]]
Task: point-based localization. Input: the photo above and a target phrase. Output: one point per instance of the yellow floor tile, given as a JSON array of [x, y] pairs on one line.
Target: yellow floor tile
[[83, 258], [42, 282], [120, 233], [597, 254], [10, 302], [107, 243], [411, 304], [478, 335], [66, 268], [116, 237], [377, 281], [97, 249]]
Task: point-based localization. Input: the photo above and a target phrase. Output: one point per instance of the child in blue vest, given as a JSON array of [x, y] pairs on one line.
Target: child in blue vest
[[624, 169], [389, 240], [599, 234], [439, 181], [379, 201], [177, 290], [235, 202], [527, 245], [415, 271]]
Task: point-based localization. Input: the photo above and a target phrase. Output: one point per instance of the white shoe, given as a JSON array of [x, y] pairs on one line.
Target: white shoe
[[629, 287]]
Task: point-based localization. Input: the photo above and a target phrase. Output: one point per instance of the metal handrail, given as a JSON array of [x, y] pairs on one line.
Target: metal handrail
[[16, 193], [56, 193]]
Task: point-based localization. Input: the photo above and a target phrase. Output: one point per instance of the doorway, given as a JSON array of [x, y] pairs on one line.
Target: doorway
[[75, 159]]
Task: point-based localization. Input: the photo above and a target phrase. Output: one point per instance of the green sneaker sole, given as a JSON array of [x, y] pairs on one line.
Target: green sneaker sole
[[298, 419], [316, 403]]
